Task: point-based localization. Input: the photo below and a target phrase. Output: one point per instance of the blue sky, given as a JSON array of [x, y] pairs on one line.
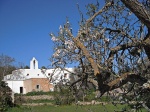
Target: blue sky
[[25, 26]]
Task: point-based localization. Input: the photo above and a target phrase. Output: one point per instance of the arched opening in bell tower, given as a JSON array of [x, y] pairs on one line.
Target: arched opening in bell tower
[[34, 64]]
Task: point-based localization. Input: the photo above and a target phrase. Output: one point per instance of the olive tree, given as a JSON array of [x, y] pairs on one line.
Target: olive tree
[[111, 48]]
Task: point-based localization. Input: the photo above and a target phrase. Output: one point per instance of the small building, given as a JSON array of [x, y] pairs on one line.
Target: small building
[[35, 79]]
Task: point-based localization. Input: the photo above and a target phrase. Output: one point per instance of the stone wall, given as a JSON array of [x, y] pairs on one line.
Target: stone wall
[[26, 99], [38, 97]]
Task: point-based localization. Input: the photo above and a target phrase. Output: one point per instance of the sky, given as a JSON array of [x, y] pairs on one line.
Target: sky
[[25, 26]]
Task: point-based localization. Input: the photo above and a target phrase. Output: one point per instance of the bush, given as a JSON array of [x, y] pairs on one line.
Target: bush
[[33, 93], [19, 99], [5, 97], [62, 95]]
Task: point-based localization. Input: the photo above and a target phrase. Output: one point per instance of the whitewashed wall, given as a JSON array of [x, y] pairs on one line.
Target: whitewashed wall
[[15, 86]]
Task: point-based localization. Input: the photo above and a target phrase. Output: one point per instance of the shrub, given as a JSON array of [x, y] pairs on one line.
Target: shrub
[[62, 95], [19, 99], [5, 97], [33, 93]]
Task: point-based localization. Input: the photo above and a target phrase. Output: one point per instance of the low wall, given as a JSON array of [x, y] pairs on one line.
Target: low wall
[[38, 97]]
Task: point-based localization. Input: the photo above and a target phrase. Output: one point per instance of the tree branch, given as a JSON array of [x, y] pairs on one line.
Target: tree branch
[[147, 44], [85, 52], [142, 14], [99, 12], [121, 32], [139, 10], [96, 14], [123, 79], [126, 77], [114, 50]]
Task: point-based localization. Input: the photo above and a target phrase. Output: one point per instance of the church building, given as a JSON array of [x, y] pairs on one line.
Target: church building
[[35, 79]]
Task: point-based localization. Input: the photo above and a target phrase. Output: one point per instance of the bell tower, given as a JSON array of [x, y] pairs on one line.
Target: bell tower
[[33, 63]]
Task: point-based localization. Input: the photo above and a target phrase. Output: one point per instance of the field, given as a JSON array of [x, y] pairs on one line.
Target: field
[[71, 108], [51, 105]]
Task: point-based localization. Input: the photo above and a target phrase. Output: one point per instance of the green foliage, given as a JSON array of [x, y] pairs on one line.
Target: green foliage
[[33, 93], [19, 99], [26, 67], [89, 96], [5, 92], [63, 97], [5, 97], [43, 67], [105, 99]]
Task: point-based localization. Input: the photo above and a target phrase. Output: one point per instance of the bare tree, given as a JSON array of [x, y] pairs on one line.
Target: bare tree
[[111, 49], [6, 65]]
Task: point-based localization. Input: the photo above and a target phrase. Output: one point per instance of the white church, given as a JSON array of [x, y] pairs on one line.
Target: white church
[[35, 79]]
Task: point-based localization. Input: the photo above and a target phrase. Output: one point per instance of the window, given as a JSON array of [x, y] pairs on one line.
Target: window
[[38, 87], [27, 74], [65, 75]]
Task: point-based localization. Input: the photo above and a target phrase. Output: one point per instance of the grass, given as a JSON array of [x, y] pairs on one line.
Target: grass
[[71, 108]]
